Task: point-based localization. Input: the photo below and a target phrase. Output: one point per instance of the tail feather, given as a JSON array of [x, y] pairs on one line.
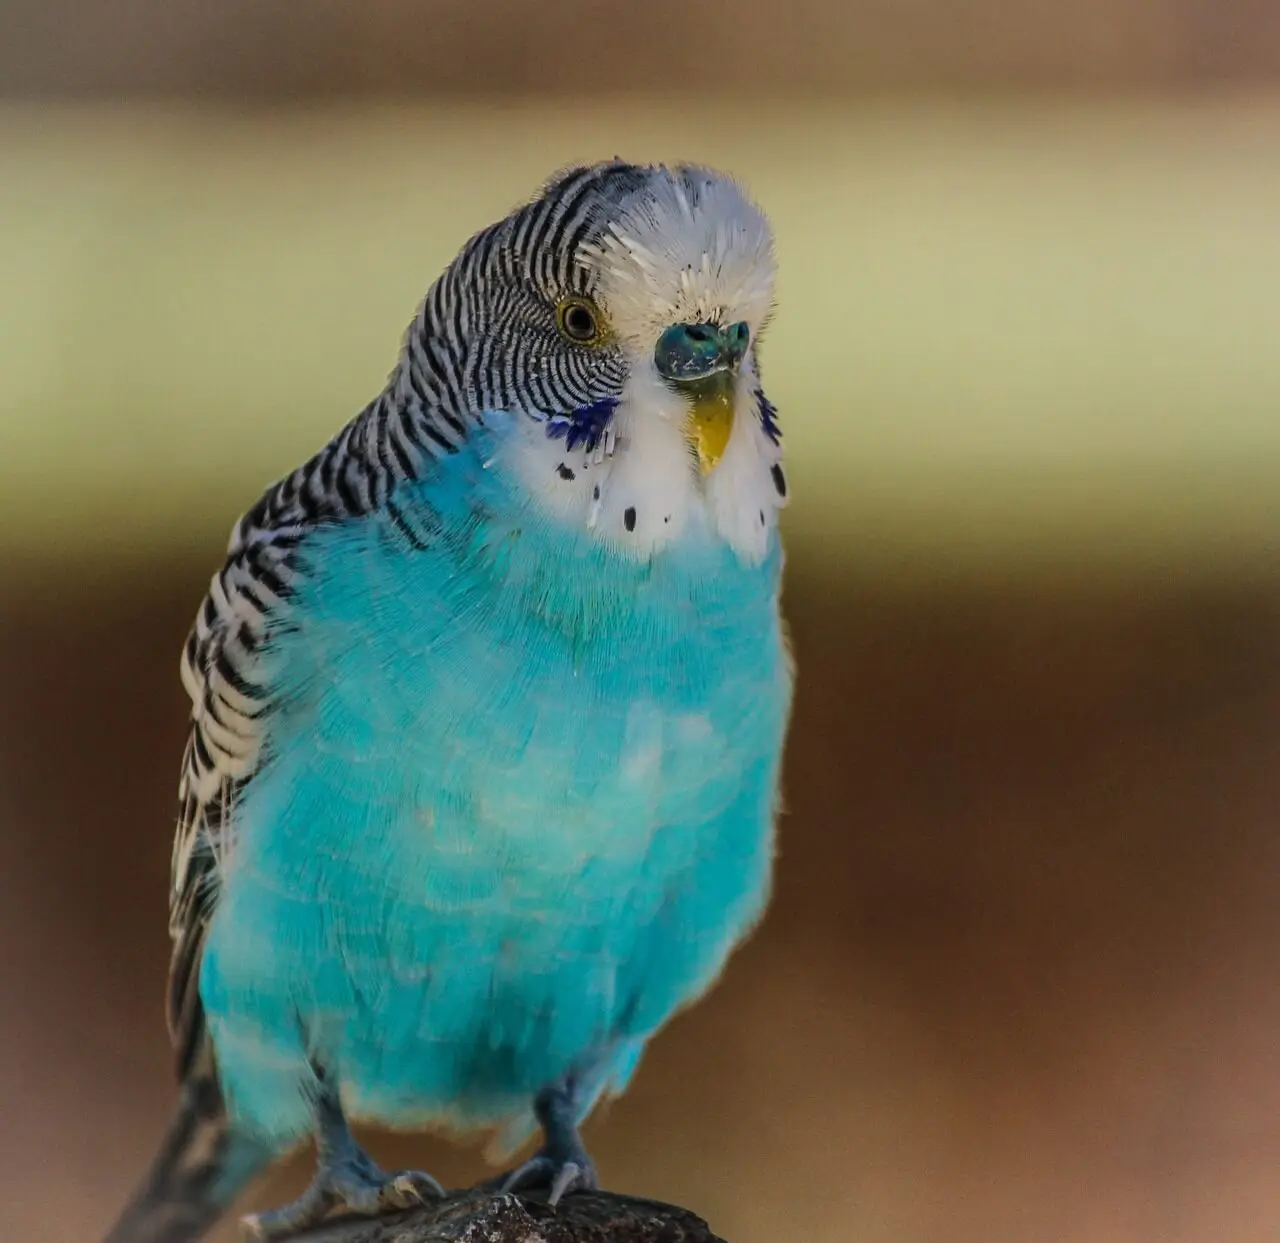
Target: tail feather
[[202, 1165]]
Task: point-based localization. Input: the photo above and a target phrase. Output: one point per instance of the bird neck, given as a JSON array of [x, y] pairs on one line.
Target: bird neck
[[502, 541]]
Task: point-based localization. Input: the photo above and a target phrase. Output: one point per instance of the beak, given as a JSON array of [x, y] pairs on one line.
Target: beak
[[701, 362]]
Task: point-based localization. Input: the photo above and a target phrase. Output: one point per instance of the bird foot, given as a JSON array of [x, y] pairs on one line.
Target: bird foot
[[559, 1169], [353, 1184]]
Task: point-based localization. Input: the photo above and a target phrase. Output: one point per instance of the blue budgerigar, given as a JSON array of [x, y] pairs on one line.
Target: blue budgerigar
[[488, 705]]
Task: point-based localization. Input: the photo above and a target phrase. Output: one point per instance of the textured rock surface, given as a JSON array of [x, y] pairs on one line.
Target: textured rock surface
[[479, 1217]]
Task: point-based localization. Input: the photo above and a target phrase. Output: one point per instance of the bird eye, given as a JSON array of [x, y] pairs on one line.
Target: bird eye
[[579, 320]]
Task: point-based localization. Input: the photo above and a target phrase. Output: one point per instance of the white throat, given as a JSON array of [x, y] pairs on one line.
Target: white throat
[[641, 488]]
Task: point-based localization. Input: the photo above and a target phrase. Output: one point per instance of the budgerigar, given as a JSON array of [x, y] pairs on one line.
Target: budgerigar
[[488, 705]]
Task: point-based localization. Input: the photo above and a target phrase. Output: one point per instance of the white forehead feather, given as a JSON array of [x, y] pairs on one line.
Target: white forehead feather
[[687, 247]]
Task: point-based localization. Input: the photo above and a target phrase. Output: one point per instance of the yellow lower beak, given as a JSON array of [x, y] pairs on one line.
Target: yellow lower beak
[[710, 421]]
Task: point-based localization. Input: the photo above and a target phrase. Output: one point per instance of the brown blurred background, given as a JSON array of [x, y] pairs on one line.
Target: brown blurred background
[[1019, 981], [278, 49]]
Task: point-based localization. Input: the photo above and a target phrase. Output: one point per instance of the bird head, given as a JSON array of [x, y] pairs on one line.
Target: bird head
[[617, 314]]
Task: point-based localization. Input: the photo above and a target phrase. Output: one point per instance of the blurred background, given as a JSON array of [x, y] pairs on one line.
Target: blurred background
[[1020, 979]]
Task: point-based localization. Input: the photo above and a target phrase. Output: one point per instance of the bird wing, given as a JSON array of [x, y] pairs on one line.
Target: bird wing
[[230, 668], [233, 669]]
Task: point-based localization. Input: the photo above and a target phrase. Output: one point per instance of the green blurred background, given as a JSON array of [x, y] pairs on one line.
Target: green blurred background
[[1019, 982]]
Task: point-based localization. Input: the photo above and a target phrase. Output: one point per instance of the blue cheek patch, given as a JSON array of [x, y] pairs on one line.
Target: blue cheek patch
[[584, 427], [769, 418]]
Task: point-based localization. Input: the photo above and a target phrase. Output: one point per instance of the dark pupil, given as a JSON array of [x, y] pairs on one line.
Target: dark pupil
[[580, 322]]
